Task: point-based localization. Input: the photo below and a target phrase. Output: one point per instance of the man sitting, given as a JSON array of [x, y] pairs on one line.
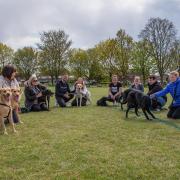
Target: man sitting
[[62, 91], [154, 86]]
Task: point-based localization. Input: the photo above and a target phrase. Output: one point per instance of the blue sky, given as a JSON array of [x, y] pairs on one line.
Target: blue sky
[[86, 21]]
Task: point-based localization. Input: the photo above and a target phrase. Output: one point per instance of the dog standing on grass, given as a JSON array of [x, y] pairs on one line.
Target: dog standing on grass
[[137, 99], [6, 109], [15, 100], [79, 94]]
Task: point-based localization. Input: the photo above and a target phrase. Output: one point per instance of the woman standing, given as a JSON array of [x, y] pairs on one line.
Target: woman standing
[[8, 80]]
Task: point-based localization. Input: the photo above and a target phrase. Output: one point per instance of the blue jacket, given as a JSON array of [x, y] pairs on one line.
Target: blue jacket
[[170, 89]]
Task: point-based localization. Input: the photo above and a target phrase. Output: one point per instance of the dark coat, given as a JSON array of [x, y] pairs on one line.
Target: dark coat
[[154, 88], [61, 88], [140, 87], [30, 96]]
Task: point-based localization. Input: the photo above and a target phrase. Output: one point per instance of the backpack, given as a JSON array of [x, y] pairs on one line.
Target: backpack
[[102, 102]]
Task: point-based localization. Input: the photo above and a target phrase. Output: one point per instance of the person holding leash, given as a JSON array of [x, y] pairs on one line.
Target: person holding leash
[[174, 89]]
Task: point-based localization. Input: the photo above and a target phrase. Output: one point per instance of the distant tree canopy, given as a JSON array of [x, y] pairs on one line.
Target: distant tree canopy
[[54, 49], [26, 61], [156, 51], [6, 55]]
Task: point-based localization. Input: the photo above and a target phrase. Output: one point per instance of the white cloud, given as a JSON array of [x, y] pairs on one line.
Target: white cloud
[[86, 21]]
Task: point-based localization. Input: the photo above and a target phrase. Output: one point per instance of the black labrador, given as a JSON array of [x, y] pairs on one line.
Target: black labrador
[[137, 99]]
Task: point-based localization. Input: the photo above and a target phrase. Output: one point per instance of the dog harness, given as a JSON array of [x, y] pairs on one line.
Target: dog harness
[[1, 104]]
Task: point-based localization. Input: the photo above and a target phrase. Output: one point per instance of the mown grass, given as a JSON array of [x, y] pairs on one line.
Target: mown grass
[[90, 143]]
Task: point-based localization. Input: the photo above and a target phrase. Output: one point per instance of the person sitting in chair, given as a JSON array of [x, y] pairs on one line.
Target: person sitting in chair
[[62, 91], [154, 86], [35, 95]]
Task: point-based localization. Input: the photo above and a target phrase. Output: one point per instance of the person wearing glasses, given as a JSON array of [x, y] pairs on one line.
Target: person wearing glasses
[[34, 95]]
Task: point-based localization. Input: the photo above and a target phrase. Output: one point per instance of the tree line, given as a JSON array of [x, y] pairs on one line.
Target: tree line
[[156, 51]]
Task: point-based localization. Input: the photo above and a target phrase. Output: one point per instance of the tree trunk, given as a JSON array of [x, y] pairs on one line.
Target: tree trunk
[[52, 80], [161, 77]]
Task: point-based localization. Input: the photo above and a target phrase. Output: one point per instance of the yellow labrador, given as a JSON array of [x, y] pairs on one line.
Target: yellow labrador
[[6, 109], [15, 100]]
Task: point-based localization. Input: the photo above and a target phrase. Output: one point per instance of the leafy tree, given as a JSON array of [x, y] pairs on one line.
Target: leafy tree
[[79, 63], [6, 55], [107, 54], [26, 61], [55, 47], [142, 62], [175, 56], [96, 71], [124, 47]]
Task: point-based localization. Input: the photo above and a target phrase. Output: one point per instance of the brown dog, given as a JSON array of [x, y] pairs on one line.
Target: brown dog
[[5, 108], [15, 100]]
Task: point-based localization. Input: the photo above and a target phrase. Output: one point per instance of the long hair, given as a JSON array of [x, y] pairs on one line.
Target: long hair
[[8, 70]]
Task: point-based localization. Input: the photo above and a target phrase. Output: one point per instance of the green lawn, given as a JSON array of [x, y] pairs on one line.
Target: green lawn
[[91, 143]]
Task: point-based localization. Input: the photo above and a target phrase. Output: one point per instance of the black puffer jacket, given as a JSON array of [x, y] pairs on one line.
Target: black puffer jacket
[[156, 87], [30, 95]]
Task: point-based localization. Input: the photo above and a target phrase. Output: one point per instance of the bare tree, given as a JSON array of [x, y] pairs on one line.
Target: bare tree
[[161, 35], [175, 56]]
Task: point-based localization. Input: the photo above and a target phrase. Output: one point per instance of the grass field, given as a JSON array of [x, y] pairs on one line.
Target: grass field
[[91, 143]]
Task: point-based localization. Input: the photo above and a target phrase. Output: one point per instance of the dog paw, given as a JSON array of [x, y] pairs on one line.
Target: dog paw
[[5, 133], [15, 131], [21, 122]]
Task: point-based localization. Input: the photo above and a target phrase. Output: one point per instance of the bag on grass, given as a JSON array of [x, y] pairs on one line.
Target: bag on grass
[[102, 102]]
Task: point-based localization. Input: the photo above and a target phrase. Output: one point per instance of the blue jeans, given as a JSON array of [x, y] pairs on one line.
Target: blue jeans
[[161, 101]]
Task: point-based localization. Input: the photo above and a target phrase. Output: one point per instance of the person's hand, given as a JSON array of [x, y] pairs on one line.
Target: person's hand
[[112, 97], [39, 95], [152, 96], [66, 96]]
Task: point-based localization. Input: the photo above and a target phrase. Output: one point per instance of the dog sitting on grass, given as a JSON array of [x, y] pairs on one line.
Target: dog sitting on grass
[[6, 109], [137, 99]]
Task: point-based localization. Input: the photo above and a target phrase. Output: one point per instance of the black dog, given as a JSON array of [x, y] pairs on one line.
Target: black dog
[[46, 95], [137, 99]]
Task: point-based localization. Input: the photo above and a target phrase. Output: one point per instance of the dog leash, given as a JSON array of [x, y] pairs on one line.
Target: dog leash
[[167, 123], [2, 104]]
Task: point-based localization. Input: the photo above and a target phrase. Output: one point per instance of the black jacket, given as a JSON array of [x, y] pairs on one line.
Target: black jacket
[[156, 87], [61, 88], [30, 96], [140, 87]]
